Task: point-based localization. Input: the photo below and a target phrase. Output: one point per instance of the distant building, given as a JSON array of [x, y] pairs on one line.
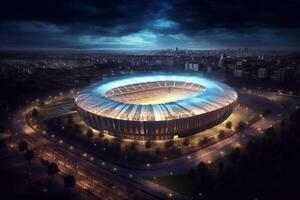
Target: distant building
[[262, 73], [287, 73], [241, 64], [297, 76], [283, 74], [275, 75], [261, 57], [278, 61], [238, 72], [191, 66], [222, 61], [209, 69]]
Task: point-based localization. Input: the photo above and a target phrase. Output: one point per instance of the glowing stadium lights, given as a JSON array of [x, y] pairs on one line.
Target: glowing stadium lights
[[197, 104]]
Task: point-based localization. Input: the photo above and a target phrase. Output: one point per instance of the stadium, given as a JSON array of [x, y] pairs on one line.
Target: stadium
[[155, 107]]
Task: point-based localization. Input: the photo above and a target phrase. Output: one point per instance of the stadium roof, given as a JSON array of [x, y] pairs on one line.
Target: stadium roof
[[214, 96]]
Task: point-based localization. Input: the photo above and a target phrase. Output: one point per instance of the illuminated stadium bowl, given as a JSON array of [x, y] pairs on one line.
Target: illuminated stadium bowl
[[155, 107]]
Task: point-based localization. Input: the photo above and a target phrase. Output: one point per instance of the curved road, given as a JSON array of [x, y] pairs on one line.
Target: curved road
[[89, 167]]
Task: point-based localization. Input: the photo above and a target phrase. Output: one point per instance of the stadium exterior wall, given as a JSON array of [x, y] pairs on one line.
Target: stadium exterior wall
[[157, 130]]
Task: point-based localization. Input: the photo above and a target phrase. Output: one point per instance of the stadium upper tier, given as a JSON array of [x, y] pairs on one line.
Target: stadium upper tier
[[155, 97]]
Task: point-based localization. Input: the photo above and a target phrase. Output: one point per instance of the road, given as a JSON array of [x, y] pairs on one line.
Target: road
[[215, 151], [103, 178]]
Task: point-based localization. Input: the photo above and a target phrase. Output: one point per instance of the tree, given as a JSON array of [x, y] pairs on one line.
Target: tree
[[133, 146], [186, 142], [204, 141], [229, 124], [204, 178], [29, 155], [199, 143], [221, 134], [105, 142], [70, 121], [116, 145], [23, 146], [69, 181], [191, 173], [241, 125], [169, 144], [148, 144], [202, 168], [35, 112], [282, 124], [235, 155], [37, 187], [2, 144], [157, 151], [2, 128], [77, 129], [90, 133], [44, 162], [100, 135], [220, 167], [270, 131], [52, 169], [130, 192]]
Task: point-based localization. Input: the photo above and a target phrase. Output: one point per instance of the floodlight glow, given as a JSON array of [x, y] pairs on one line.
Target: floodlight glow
[[127, 106]]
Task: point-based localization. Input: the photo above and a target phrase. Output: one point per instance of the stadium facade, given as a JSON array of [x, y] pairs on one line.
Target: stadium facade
[[155, 107]]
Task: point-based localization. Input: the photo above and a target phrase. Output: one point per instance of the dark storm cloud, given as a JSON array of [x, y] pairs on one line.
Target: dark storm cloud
[[236, 15], [149, 23], [120, 16]]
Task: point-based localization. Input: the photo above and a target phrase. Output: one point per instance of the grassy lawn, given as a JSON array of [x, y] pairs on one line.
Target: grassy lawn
[[181, 184], [240, 114], [54, 108]]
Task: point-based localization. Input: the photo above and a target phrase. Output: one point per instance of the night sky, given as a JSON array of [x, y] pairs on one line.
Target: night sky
[[160, 24]]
